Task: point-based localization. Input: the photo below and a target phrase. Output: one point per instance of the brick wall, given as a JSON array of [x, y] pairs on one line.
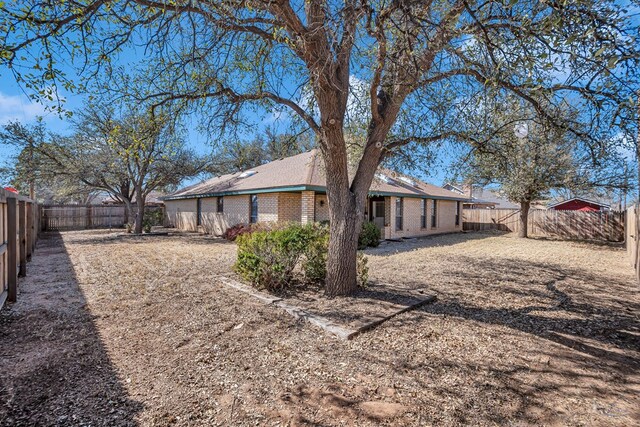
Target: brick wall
[[182, 214], [412, 224], [236, 209], [289, 207], [268, 207], [322, 208], [308, 207], [212, 222]]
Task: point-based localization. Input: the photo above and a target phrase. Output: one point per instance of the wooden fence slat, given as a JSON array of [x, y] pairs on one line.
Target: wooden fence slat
[[604, 225], [12, 249], [22, 237]]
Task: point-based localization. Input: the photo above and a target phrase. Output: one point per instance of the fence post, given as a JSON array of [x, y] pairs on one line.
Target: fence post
[[89, 225], [12, 249], [22, 233], [29, 237]]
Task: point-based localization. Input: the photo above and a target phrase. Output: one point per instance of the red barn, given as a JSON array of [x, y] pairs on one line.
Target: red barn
[[579, 204]]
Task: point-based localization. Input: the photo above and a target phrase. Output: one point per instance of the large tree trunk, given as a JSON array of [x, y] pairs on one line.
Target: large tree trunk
[[345, 218], [129, 214], [524, 219], [140, 200], [344, 228]]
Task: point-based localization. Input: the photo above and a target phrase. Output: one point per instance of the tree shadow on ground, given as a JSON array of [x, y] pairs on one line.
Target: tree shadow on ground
[[55, 367], [549, 301], [589, 321], [387, 247]]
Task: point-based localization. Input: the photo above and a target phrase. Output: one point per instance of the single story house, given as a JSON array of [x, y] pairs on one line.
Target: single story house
[[580, 204], [478, 197], [293, 189]]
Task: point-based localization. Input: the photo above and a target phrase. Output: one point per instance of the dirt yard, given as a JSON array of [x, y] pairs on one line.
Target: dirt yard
[[115, 330]]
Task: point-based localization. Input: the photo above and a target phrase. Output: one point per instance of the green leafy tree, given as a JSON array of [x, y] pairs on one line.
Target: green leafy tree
[[420, 61], [529, 158]]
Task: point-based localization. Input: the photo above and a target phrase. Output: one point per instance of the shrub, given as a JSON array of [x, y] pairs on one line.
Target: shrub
[[362, 270], [268, 258], [369, 235], [232, 233], [153, 217], [314, 263]]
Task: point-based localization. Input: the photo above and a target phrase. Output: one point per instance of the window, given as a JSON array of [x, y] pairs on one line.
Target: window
[[254, 209], [434, 213], [457, 213], [423, 214], [199, 212], [399, 202], [220, 204]]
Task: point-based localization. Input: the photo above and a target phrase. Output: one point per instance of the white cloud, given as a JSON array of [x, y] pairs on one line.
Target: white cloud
[[19, 107]]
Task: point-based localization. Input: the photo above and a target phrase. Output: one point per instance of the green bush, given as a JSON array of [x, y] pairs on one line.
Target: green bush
[[314, 263], [268, 258], [369, 235]]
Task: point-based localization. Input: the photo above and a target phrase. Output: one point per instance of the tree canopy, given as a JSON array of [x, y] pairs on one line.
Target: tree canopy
[[422, 62]]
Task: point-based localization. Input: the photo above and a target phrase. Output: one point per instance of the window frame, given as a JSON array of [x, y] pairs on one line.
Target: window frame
[[399, 203], [253, 210], [423, 214], [220, 204], [458, 212], [434, 213], [198, 212]]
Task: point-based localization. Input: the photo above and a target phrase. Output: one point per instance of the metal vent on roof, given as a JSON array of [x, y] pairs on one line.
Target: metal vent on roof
[[247, 174], [384, 178], [408, 181]]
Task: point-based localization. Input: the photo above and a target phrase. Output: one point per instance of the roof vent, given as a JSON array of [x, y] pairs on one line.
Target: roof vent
[[384, 178], [247, 174], [408, 181]]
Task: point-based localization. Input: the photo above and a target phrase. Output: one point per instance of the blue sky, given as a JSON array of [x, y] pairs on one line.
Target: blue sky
[[16, 105]]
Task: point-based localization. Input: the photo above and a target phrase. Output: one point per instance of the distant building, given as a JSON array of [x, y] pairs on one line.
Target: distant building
[[580, 204], [480, 198]]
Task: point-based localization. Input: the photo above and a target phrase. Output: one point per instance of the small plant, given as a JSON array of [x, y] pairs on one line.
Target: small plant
[[369, 235], [362, 270], [129, 227], [146, 227], [232, 233]]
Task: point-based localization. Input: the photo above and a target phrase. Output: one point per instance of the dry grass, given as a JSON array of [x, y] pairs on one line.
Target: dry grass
[[123, 331]]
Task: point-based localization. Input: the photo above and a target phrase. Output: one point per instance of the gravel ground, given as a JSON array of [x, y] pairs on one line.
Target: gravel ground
[[115, 330]]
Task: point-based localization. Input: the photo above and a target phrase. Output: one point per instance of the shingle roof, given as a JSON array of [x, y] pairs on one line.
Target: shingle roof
[[303, 172]]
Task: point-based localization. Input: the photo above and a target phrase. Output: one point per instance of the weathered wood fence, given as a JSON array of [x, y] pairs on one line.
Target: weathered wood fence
[[19, 227], [81, 217], [632, 239], [608, 226]]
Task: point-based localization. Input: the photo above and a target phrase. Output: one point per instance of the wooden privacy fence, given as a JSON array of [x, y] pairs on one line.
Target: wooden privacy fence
[[19, 226], [632, 239], [608, 226], [80, 217]]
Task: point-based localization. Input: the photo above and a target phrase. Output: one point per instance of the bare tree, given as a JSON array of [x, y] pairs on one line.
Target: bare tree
[[420, 60]]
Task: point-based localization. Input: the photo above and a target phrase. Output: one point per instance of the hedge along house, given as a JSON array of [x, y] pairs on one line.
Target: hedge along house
[[293, 190]]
